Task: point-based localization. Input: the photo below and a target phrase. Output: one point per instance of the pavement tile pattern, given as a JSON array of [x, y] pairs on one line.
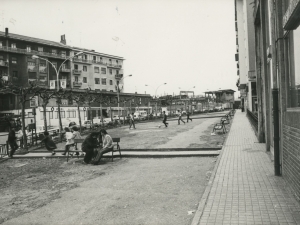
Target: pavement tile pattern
[[245, 189]]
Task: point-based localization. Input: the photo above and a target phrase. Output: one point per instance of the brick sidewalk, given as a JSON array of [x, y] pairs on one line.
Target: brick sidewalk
[[245, 189]]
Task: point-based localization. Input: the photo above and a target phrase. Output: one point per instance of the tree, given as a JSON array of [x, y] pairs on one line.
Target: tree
[[59, 95], [101, 100], [46, 95], [90, 98], [79, 98], [24, 94]]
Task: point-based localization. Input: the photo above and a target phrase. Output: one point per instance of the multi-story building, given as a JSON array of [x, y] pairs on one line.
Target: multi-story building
[[245, 56], [277, 60], [95, 70], [26, 59]]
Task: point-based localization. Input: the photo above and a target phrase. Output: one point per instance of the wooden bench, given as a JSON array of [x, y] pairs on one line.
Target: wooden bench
[[220, 126], [116, 142]]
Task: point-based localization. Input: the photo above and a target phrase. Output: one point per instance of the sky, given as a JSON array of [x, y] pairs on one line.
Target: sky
[[188, 44]]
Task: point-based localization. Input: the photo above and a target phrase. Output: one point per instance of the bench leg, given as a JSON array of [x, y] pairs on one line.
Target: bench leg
[[119, 149], [112, 154]]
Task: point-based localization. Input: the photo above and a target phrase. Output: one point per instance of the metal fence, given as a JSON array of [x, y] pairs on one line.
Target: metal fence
[[253, 120], [3, 150]]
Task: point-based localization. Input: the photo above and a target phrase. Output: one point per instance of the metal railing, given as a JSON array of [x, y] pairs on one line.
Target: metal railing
[[253, 119], [3, 150]]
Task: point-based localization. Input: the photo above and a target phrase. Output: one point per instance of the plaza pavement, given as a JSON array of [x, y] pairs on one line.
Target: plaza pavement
[[243, 188]]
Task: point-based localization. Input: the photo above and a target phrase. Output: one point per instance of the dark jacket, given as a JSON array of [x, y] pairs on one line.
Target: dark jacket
[[49, 143], [89, 143], [12, 136]]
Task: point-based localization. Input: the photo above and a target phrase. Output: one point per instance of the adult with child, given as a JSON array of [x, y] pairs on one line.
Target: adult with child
[[49, 143], [88, 146], [107, 146], [70, 140]]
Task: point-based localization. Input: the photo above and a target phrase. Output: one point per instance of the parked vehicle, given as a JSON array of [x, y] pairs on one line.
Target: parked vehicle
[[140, 115], [88, 124]]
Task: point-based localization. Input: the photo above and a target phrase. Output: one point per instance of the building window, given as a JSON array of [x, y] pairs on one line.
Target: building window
[[85, 57], [28, 48], [293, 40], [40, 49], [1, 44], [62, 113], [84, 79], [14, 60], [15, 74], [85, 68], [42, 63], [51, 115], [110, 61], [72, 114], [103, 70], [94, 58], [76, 79], [54, 52], [117, 62], [96, 69], [110, 71], [13, 45], [103, 81], [30, 63], [97, 81], [117, 72], [75, 66], [111, 82], [63, 53], [104, 90]]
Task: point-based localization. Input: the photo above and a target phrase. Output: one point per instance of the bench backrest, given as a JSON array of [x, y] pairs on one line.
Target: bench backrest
[[116, 139], [78, 140]]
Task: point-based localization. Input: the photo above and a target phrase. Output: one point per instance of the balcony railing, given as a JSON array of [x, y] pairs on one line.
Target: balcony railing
[[77, 84], [252, 75], [82, 60], [43, 82], [77, 71], [65, 69], [2, 63], [43, 70], [32, 69], [114, 65], [118, 76], [32, 52]]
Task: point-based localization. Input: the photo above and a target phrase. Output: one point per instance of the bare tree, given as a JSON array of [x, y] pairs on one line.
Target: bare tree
[[79, 98], [90, 98]]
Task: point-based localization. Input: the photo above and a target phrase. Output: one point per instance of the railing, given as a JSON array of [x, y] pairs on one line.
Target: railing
[[2, 63], [114, 65], [65, 69], [75, 83], [32, 69], [77, 71], [118, 76], [253, 119], [3, 150], [32, 52], [43, 70], [252, 75], [82, 60], [43, 82]]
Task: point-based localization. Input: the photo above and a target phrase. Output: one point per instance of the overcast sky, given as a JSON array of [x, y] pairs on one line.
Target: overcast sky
[[184, 43]]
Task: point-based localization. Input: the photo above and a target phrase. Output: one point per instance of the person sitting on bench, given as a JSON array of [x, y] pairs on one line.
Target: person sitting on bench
[[70, 140], [88, 146], [107, 146]]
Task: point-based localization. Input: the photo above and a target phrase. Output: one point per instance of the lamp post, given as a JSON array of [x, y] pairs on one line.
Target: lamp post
[[118, 93], [57, 77], [155, 95]]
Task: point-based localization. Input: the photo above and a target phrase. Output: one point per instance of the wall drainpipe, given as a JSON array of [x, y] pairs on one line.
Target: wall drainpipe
[[276, 132]]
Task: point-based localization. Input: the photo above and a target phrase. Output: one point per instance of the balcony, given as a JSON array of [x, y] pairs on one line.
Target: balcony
[[114, 65], [252, 75], [43, 82], [77, 84], [32, 69], [82, 60], [101, 63], [32, 52], [43, 70], [66, 69], [119, 76], [2, 63], [77, 72]]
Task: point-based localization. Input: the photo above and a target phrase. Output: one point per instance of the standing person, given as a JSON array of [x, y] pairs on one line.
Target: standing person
[[70, 140], [88, 146], [188, 117], [19, 135], [179, 118], [164, 119], [49, 143], [132, 121], [76, 135], [12, 142], [107, 146]]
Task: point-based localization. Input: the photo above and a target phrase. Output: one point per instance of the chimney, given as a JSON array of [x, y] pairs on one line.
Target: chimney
[[6, 31], [63, 39]]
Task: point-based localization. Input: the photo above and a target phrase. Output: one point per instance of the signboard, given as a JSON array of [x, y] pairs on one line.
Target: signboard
[[52, 84], [63, 83], [34, 102]]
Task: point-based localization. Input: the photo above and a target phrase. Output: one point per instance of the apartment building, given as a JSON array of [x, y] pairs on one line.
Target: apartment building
[[245, 56]]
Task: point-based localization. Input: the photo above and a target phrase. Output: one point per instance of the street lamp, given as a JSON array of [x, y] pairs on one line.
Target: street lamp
[[57, 77], [155, 95], [118, 93]]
